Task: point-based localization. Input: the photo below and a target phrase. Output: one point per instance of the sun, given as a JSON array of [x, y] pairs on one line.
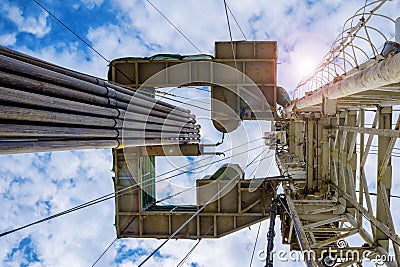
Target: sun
[[307, 52], [306, 66]]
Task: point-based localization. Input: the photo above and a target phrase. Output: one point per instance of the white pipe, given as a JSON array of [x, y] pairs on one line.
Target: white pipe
[[397, 30], [380, 74]]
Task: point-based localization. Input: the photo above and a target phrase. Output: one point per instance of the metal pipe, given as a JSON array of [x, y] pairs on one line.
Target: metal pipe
[[155, 106], [13, 65], [25, 114], [23, 130], [152, 142], [134, 115], [131, 120], [159, 102], [31, 146], [47, 108], [80, 76], [137, 109], [147, 98], [380, 74], [397, 30], [47, 65], [139, 105], [14, 147], [163, 128], [44, 88], [53, 102], [26, 98], [158, 135]]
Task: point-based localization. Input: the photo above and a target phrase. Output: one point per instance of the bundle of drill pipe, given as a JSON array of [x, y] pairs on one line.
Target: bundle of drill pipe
[[45, 107]]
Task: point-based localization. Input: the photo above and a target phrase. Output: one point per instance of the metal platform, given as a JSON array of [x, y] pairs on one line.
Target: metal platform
[[235, 208]]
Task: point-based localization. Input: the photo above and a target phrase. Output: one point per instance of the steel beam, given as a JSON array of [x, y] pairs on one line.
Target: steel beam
[[389, 217], [385, 178], [298, 227], [381, 226], [371, 131], [310, 154]]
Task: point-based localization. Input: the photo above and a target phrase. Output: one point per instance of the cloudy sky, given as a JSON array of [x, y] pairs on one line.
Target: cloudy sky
[[36, 185]]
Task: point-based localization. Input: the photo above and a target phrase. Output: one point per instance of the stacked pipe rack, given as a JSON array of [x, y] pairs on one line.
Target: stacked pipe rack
[[45, 107]]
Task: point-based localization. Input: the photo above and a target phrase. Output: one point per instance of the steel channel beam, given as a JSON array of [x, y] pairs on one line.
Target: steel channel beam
[[381, 226], [385, 123], [389, 217]]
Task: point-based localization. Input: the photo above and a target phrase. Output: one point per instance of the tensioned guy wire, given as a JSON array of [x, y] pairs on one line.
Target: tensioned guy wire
[[255, 244], [126, 190], [194, 247], [95, 50], [161, 200], [237, 23], [175, 27], [195, 214], [70, 30], [112, 243], [230, 36]]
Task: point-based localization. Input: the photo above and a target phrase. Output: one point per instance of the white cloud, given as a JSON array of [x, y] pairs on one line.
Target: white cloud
[[68, 55], [36, 26], [8, 39], [65, 161], [113, 41], [92, 3], [39, 178]]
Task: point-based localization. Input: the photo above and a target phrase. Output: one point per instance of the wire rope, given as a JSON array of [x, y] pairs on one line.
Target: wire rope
[[195, 214], [193, 248], [95, 50], [230, 36], [192, 187], [124, 191], [175, 27], [237, 23], [183, 97], [112, 243], [255, 244], [71, 31], [188, 254]]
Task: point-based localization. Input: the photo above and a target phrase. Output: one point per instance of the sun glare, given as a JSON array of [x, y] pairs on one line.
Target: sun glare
[[306, 66], [307, 53]]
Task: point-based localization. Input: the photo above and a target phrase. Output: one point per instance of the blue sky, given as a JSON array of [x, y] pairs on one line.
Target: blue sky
[[27, 250], [35, 185]]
